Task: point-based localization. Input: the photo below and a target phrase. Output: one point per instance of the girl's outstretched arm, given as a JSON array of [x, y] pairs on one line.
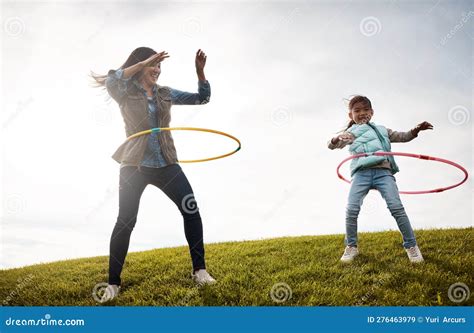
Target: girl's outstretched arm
[[396, 136], [340, 141], [421, 127]]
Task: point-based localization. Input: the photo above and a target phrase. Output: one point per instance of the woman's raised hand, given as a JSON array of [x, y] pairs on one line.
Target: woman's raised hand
[[154, 59], [151, 61], [200, 60]]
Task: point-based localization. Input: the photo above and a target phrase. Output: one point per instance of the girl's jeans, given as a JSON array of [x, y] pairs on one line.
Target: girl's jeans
[[383, 181], [172, 181]]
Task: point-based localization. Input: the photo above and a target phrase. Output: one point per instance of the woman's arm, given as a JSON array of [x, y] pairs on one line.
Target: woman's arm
[[200, 63], [117, 80], [151, 61], [116, 85], [203, 95]]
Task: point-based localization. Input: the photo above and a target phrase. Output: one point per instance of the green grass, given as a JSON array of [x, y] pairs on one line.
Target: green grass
[[247, 271]]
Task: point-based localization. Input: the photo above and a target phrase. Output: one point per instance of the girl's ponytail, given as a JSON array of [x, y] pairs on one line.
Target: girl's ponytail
[[352, 122]]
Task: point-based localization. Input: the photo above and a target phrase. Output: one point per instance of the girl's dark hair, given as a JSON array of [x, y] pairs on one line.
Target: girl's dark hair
[[139, 54], [357, 99]]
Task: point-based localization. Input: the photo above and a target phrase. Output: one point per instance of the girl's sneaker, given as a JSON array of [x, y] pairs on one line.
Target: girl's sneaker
[[349, 253], [110, 293], [202, 277], [414, 254]]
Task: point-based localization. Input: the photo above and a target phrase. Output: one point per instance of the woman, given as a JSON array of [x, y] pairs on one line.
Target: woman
[[151, 159]]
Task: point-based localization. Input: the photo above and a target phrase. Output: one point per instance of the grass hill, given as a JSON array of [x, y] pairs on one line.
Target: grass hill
[[301, 270]]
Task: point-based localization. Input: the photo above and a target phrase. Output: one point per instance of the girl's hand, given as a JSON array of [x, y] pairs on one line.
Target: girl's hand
[[421, 127], [344, 137], [200, 60], [154, 59]]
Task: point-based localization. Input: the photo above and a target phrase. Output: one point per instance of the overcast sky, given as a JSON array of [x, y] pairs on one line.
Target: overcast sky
[[279, 72]]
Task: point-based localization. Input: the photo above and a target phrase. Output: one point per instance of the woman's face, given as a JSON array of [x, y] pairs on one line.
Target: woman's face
[[149, 75]]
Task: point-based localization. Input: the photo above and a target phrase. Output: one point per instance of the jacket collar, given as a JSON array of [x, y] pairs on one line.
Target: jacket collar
[[140, 87]]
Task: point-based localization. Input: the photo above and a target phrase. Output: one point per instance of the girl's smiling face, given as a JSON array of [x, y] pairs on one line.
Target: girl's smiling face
[[361, 113]]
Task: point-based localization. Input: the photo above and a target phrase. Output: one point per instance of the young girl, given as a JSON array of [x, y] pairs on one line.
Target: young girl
[[376, 172]]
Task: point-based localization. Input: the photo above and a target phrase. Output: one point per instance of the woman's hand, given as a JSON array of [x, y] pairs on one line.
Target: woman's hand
[[200, 62], [151, 61], [154, 59], [345, 137], [421, 127]]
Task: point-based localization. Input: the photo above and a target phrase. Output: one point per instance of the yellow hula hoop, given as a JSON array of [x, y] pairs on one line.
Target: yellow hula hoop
[[157, 130]]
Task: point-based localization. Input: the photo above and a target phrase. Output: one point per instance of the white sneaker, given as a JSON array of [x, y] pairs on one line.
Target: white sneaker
[[414, 254], [202, 277], [349, 253], [110, 293]]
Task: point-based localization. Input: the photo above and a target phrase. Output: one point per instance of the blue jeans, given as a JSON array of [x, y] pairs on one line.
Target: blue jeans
[[383, 181]]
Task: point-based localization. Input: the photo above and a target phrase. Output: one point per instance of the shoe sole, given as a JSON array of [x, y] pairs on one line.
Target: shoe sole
[[347, 260]]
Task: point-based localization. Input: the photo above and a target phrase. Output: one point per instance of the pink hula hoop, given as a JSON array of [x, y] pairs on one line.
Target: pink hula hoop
[[422, 157]]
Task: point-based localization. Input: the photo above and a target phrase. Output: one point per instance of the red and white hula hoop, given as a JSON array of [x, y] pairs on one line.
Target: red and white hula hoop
[[423, 157]]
